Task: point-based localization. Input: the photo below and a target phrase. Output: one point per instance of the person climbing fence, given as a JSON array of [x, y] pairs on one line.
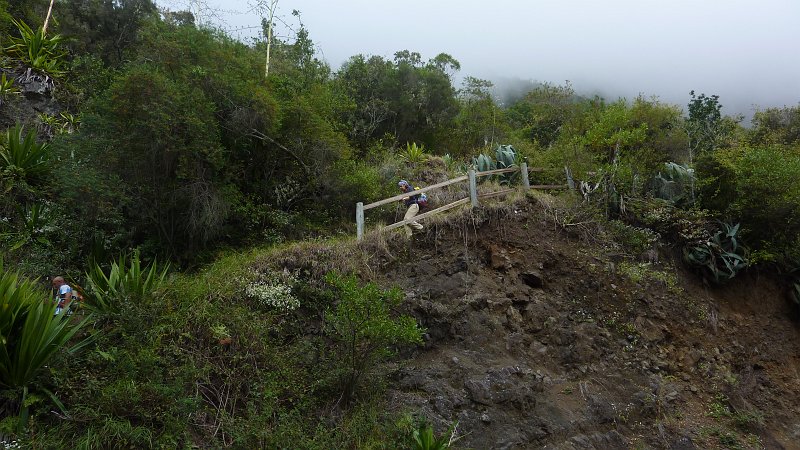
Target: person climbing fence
[[413, 202]]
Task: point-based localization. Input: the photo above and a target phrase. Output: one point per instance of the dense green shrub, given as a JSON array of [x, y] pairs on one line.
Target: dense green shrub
[[776, 126], [206, 365], [759, 187], [365, 328]]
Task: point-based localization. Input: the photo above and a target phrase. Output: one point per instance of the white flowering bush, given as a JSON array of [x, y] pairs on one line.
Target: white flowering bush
[[273, 291]]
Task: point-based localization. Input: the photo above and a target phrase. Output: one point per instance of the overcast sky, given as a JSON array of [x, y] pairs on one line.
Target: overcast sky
[[744, 51]]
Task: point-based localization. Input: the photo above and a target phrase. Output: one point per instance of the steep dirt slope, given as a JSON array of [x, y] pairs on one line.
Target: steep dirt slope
[[537, 339]]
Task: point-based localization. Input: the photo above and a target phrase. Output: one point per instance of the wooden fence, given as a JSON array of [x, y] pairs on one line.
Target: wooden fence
[[471, 177]]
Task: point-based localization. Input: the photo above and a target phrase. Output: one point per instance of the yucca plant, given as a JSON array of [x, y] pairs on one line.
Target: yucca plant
[[424, 439], [35, 49], [126, 281], [722, 256], [34, 221], [7, 88], [69, 122], [21, 157], [449, 162], [414, 153], [31, 334]]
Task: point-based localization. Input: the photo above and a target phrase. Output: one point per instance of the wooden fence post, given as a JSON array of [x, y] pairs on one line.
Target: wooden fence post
[[473, 189], [524, 170], [359, 220]]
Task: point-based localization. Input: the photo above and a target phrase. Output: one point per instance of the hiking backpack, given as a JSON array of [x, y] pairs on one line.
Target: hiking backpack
[[422, 200]]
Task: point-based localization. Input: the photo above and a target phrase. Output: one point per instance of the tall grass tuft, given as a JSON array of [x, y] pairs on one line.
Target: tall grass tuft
[[21, 157], [126, 281]]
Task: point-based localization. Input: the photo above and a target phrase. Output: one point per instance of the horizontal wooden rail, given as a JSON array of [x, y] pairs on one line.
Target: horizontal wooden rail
[[496, 193], [430, 213], [549, 186], [407, 194], [496, 171]]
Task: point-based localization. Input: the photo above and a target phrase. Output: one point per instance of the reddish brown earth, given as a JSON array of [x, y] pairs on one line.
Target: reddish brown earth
[[536, 338]]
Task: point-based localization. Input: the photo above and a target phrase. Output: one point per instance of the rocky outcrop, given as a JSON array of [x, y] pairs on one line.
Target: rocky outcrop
[[35, 96]]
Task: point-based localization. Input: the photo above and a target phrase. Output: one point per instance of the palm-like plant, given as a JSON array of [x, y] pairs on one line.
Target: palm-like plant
[[30, 334], [126, 281], [21, 157], [37, 50]]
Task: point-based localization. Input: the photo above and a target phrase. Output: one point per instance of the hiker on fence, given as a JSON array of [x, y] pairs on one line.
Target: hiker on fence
[[64, 293], [413, 203]]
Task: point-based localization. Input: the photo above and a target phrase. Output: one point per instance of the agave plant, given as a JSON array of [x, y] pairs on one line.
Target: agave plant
[[722, 256], [126, 281], [21, 158], [30, 334], [675, 184], [484, 163], [506, 157], [35, 49]]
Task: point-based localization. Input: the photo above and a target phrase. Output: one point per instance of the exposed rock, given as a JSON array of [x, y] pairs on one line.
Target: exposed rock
[[683, 443], [532, 278]]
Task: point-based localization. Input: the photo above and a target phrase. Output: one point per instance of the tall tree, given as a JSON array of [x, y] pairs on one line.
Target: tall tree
[[703, 125]]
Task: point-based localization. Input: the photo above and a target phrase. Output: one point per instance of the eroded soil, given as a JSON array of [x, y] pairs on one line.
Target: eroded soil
[[537, 339]]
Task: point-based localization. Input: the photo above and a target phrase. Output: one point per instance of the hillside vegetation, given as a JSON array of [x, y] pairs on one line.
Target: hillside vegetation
[[204, 211]]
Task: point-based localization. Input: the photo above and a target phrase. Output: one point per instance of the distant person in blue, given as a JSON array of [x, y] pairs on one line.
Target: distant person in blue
[[413, 207], [63, 294]]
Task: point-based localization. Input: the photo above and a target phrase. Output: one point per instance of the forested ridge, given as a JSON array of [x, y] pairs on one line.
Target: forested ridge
[[186, 194]]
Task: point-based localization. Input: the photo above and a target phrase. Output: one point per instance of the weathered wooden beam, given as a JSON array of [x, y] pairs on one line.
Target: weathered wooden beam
[[359, 220], [497, 193], [473, 189], [550, 186], [496, 171], [526, 184]]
